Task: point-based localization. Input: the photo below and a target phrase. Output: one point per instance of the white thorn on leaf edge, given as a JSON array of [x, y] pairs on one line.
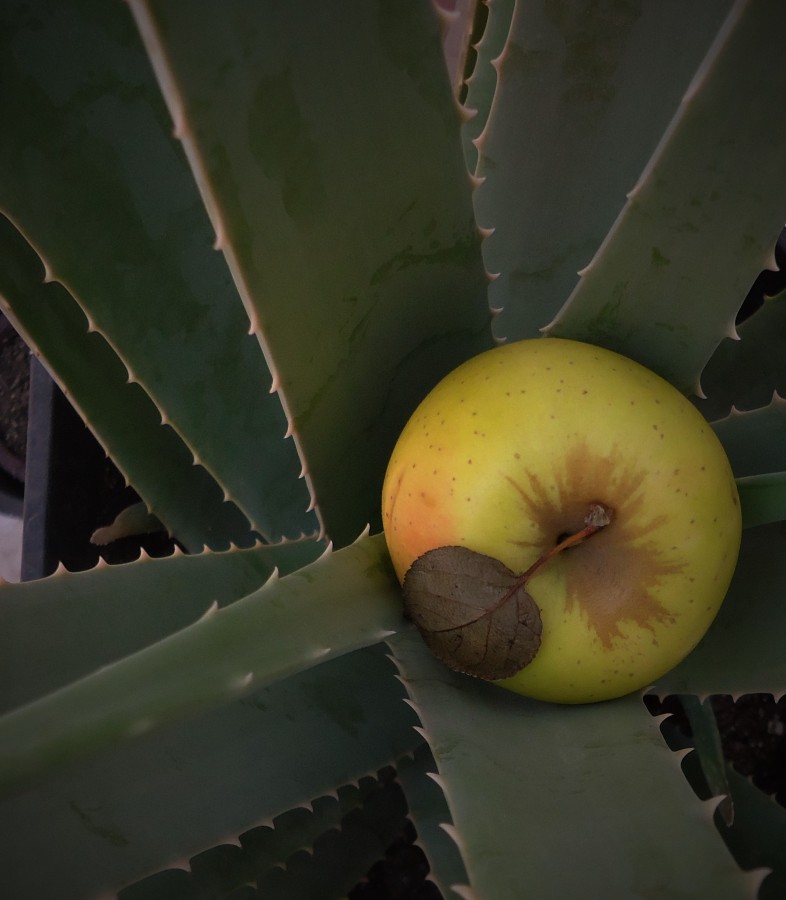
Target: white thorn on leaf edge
[[755, 877], [463, 890], [452, 833], [220, 240], [679, 755], [437, 779], [209, 613], [709, 806], [241, 682], [466, 113]]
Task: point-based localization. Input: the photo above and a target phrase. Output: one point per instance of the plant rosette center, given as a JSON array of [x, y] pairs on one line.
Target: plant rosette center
[[510, 457]]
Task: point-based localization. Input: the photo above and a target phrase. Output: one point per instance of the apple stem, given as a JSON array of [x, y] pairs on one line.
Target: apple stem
[[598, 517]]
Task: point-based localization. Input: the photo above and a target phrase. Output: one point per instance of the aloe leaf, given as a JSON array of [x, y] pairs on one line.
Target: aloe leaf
[[762, 498], [529, 782], [754, 440], [458, 22], [121, 415], [322, 851], [482, 83], [341, 602], [709, 750], [757, 838], [57, 629], [744, 373], [701, 222], [164, 797], [94, 180], [576, 115], [327, 151], [430, 814], [743, 650], [270, 846], [340, 858]]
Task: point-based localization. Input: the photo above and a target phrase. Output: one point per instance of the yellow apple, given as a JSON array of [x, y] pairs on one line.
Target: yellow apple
[[508, 455]]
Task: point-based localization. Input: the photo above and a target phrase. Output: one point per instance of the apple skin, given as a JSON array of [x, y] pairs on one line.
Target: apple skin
[[506, 455]]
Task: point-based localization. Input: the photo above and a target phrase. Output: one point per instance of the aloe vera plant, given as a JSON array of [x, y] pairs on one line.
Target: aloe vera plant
[[246, 239]]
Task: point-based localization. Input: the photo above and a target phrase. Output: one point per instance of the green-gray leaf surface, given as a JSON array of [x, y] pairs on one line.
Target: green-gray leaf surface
[[745, 373], [151, 456], [163, 797], [529, 784], [743, 650], [343, 601], [326, 146], [702, 221], [64, 627], [92, 177], [575, 117]]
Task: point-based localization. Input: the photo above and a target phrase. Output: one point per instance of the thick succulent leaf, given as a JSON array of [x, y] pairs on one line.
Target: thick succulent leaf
[[743, 650], [339, 859], [60, 628], [429, 812], [701, 222], [322, 851], [326, 146], [592, 784], [744, 373], [342, 602], [458, 18], [755, 441], [757, 837], [121, 415], [92, 177], [762, 498], [270, 846], [164, 797], [709, 751], [576, 115], [481, 85]]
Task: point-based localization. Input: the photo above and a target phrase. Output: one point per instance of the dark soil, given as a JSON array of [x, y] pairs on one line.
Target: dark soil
[[753, 735]]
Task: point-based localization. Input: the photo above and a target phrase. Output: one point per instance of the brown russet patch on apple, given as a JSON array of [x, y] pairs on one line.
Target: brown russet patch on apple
[[611, 577]]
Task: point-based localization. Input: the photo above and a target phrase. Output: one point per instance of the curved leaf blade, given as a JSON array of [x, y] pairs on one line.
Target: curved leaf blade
[[701, 223], [363, 282], [123, 418], [340, 603], [57, 629], [164, 797], [594, 784], [575, 117], [754, 440], [92, 177], [743, 650], [743, 374], [762, 498]]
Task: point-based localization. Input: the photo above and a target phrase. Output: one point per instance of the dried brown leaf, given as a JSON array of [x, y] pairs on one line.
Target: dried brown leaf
[[473, 612]]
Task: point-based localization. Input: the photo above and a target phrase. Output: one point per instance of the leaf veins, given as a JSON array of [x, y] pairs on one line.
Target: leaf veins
[[473, 613]]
